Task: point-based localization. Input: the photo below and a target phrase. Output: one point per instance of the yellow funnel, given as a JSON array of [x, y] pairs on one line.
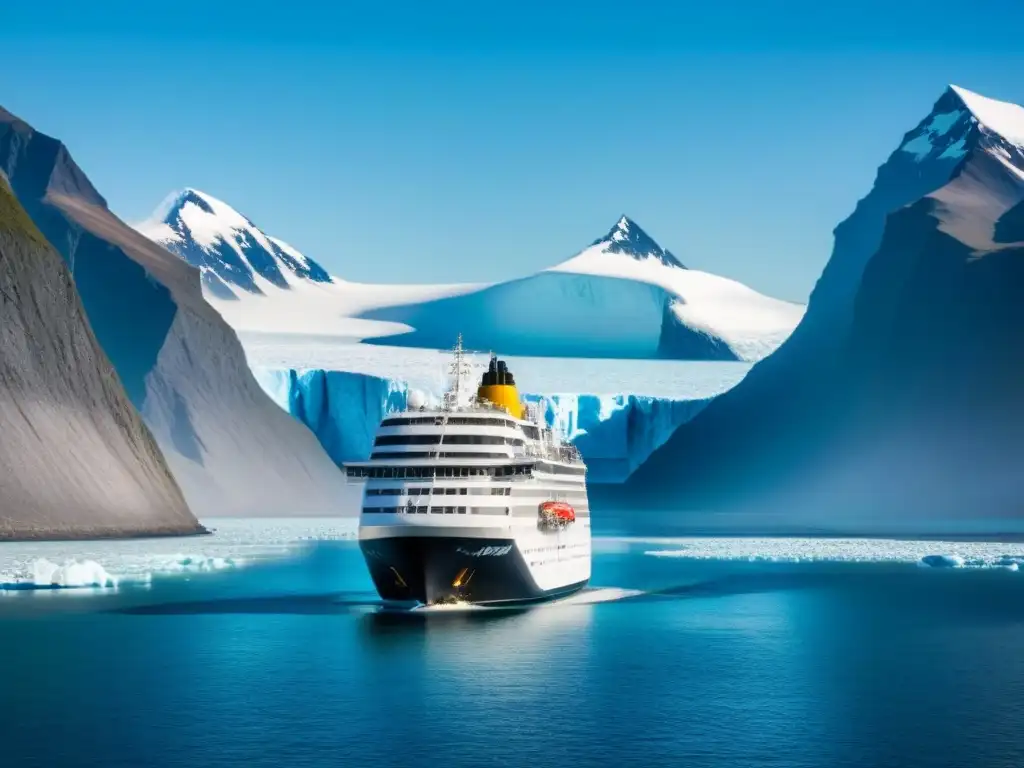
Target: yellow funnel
[[498, 387]]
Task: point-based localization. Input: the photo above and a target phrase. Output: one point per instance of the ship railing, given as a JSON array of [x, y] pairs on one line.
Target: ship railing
[[566, 452]]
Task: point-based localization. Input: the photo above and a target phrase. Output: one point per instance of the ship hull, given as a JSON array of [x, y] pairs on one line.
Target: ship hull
[[433, 569]]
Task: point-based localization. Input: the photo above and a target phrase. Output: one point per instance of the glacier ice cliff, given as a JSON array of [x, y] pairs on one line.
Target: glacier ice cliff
[[232, 451], [615, 433], [896, 403], [76, 460]]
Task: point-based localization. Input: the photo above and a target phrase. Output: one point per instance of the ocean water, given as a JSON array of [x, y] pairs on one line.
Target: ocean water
[[263, 645]]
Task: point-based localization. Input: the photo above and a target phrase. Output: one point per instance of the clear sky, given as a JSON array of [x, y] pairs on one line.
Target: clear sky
[[442, 141]]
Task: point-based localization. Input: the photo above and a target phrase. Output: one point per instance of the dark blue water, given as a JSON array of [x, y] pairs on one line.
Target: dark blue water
[[717, 663]]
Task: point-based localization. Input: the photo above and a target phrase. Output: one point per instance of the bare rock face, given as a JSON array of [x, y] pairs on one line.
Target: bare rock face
[[231, 449], [76, 460]]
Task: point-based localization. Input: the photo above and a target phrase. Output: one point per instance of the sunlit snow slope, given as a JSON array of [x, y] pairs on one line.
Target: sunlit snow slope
[[624, 297]]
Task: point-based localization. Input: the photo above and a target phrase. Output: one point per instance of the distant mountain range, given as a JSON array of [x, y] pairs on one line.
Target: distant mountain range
[[897, 404], [623, 296]]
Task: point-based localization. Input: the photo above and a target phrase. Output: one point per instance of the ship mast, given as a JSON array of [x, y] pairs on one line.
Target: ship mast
[[459, 368]]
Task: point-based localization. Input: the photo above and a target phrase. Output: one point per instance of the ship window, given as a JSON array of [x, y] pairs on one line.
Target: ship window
[[449, 510], [478, 440], [407, 440], [421, 510], [463, 491], [462, 510]]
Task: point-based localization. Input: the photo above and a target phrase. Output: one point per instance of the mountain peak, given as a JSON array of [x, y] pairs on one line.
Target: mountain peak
[[1002, 117], [230, 251], [958, 120], [627, 238]]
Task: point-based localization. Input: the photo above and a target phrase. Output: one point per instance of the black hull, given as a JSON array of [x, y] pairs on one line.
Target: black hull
[[432, 570]]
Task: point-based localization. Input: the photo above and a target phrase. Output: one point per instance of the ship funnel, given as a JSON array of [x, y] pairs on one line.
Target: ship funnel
[[498, 386]]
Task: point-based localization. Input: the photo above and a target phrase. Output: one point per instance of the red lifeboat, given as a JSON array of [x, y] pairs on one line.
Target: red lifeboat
[[557, 514]]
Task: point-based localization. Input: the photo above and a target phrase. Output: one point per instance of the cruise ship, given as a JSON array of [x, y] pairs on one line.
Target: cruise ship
[[474, 501]]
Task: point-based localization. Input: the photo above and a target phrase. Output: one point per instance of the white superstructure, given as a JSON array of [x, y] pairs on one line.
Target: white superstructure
[[474, 500]]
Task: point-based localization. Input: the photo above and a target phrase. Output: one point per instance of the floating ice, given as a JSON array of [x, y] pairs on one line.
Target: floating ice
[[927, 554], [73, 573], [941, 561], [113, 563]]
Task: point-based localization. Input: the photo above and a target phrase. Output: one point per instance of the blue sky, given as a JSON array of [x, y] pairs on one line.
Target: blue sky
[[455, 141]]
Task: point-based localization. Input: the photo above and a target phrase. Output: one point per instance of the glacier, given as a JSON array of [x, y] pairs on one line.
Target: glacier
[[624, 296], [614, 433]]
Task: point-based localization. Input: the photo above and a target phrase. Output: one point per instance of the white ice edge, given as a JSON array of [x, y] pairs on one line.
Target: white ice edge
[[934, 554], [114, 563]]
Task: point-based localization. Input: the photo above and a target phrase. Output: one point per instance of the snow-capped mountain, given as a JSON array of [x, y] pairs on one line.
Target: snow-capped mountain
[[896, 403], [623, 296], [738, 322], [232, 254], [628, 239]]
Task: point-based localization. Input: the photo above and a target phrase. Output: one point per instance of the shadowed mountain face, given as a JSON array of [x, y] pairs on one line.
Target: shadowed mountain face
[[75, 458], [231, 449], [896, 403]]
